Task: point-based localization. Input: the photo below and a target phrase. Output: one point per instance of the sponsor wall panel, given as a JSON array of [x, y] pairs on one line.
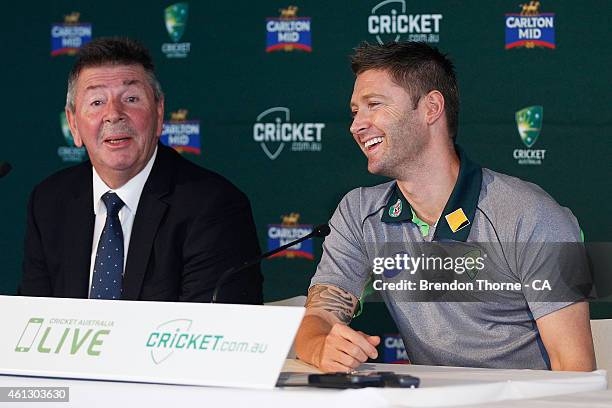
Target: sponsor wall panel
[[217, 69]]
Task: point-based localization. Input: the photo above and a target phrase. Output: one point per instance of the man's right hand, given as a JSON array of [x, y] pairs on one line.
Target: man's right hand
[[324, 338], [343, 349]]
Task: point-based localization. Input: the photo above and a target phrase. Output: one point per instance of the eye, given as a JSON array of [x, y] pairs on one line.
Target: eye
[[97, 102], [373, 104], [353, 114], [132, 99]]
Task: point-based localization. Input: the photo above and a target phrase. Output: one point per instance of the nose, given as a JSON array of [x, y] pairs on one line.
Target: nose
[[361, 122], [114, 111]]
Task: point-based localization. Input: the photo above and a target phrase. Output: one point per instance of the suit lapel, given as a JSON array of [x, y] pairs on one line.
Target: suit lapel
[[150, 212], [79, 235]]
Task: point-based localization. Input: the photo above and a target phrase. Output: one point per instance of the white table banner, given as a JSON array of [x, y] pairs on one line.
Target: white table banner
[[159, 342]]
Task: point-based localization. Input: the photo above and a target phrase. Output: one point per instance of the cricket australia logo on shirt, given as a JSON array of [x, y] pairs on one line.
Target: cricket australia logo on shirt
[[396, 209], [529, 125], [389, 22], [474, 254], [175, 17], [273, 129]]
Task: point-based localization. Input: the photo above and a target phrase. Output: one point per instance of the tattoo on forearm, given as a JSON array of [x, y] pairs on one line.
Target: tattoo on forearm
[[334, 300]]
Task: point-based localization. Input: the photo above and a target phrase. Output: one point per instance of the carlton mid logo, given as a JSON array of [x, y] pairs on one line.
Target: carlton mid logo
[[181, 134], [389, 22], [529, 124], [394, 351], [64, 336], [530, 28], [175, 17], [273, 129], [288, 32], [290, 230], [67, 38]]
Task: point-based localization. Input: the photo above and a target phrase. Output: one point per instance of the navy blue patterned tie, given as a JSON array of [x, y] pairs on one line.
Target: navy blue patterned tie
[[108, 266]]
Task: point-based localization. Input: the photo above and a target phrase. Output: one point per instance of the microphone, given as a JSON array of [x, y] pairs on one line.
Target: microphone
[[5, 168], [319, 231]]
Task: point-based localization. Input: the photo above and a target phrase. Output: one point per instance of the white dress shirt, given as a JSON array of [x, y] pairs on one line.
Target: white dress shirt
[[129, 193]]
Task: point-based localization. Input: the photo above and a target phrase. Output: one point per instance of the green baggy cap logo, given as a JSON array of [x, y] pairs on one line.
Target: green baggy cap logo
[[529, 124], [176, 20]]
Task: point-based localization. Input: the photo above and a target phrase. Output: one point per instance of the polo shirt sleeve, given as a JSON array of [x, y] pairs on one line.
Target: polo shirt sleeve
[[344, 262], [549, 251]]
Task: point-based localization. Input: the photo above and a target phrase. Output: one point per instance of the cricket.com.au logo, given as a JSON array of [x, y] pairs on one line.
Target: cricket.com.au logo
[[273, 129], [175, 17], [177, 336], [69, 153], [529, 125], [388, 22], [64, 336]]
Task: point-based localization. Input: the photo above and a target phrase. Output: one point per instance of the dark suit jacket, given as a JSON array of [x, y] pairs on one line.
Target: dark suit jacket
[[191, 225]]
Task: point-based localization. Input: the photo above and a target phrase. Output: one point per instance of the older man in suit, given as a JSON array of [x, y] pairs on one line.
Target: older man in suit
[[138, 221]]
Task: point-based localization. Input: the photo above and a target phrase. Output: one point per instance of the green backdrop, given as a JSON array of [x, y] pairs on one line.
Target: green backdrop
[[228, 79]]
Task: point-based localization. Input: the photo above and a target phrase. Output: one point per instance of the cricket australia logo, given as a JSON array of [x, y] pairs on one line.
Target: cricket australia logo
[[175, 17], [69, 152], [273, 129], [529, 124], [473, 254]]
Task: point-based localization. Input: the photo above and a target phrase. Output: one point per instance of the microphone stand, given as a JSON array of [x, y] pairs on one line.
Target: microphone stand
[[318, 231]]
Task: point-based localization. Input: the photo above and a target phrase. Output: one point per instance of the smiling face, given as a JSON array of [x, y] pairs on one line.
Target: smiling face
[[386, 126], [117, 118]]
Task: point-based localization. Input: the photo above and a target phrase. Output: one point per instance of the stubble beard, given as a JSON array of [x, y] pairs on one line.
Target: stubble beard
[[404, 157]]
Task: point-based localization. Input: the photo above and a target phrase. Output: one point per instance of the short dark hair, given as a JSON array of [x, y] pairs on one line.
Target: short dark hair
[[417, 67], [112, 51]]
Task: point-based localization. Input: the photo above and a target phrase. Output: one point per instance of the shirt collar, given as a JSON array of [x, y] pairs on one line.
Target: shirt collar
[[129, 193], [459, 212]]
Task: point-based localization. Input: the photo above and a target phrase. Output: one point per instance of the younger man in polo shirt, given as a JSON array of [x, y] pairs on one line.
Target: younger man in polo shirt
[[405, 107]]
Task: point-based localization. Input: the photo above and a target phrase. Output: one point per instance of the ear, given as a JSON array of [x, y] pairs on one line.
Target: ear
[[78, 142], [434, 106], [160, 116]]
